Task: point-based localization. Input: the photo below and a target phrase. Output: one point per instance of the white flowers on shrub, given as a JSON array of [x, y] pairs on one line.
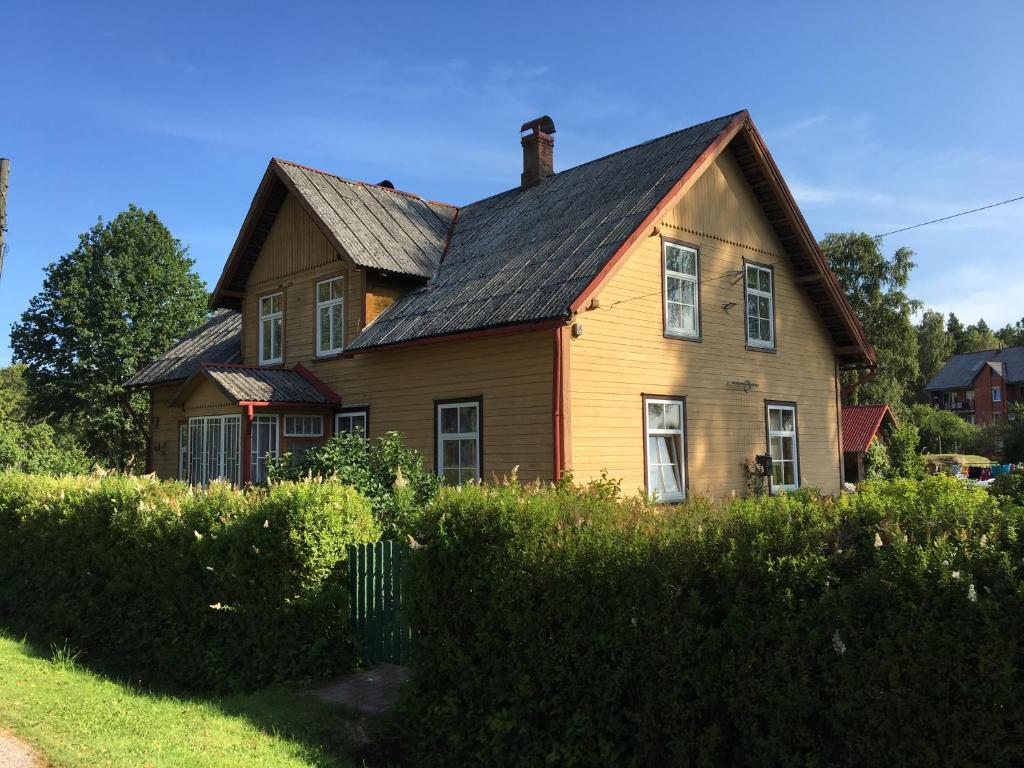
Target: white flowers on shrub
[[837, 643], [955, 575], [972, 595], [878, 541]]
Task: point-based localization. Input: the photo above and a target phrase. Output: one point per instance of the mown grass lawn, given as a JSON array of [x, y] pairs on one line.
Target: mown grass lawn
[[77, 718]]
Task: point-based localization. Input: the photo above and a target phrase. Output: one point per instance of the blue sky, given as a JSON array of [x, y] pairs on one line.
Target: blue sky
[[880, 115]]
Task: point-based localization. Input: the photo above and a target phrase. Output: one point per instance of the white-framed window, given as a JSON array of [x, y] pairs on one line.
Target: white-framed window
[[458, 441], [783, 447], [303, 426], [664, 428], [997, 395], [351, 422], [760, 306], [969, 397], [682, 297], [271, 324], [214, 444], [264, 446], [183, 451], [330, 316]]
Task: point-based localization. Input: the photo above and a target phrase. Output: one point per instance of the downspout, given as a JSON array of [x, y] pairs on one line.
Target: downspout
[[247, 447], [556, 405]]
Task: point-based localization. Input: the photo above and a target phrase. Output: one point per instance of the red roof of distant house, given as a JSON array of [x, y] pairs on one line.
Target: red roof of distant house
[[860, 425]]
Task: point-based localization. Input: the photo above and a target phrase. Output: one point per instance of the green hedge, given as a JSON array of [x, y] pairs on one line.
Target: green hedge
[[173, 587], [566, 628]]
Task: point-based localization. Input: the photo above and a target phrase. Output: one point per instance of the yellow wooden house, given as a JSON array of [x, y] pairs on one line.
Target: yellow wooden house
[[662, 313]]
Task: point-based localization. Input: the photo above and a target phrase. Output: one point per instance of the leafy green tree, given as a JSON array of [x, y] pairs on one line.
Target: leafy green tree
[[876, 461], [1014, 444], [956, 332], [32, 446], [942, 431], [123, 296], [934, 346], [1012, 335], [903, 455], [978, 337], [875, 285]]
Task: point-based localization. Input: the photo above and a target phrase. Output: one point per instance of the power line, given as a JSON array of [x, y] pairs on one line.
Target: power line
[[953, 216]]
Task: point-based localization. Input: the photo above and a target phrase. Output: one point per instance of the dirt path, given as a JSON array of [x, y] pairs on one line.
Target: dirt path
[[15, 753]]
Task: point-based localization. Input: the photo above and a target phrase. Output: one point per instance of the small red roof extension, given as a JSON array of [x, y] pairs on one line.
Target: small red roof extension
[[860, 425]]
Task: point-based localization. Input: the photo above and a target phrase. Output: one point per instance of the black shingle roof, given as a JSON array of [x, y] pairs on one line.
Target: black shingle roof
[[271, 385], [960, 371], [215, 341], [526, 254], [378, 227]]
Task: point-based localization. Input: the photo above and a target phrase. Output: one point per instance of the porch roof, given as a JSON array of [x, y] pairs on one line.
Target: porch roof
[[252, 385]]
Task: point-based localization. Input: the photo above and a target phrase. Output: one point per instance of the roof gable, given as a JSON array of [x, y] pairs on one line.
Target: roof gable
[[242, 384], [861, 423], [369, 225]]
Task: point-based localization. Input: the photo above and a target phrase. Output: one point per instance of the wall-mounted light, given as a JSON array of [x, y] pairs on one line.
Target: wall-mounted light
[[728, 305], [577, 330]]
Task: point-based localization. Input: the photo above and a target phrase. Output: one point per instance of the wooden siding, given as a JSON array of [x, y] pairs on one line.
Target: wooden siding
[[164, 421], [624, 354], [512, 374]]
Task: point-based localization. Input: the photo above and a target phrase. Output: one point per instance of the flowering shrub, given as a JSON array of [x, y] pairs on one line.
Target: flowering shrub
[[197, 590], [564, 627]]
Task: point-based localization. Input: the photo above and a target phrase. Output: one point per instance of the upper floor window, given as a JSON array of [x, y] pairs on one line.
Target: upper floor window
[[682, 298], [330, 316], [271, 322], [970, 396], [760, 307], [997, 395]]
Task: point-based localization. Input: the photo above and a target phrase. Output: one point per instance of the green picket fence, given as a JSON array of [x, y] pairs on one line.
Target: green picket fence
[[375, 601]]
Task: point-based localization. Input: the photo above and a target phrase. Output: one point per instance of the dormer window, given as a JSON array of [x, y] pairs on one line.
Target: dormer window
[[271, 322], [330, 316]]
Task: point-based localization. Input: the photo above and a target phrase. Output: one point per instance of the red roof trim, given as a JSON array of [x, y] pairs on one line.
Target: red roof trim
[[712, 151]]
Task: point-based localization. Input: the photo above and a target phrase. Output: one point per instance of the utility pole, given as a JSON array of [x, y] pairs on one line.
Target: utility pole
[[5, 169]]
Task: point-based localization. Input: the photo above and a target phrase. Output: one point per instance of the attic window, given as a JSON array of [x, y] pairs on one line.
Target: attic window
[[682, 307], [271, 322], [760, 306]]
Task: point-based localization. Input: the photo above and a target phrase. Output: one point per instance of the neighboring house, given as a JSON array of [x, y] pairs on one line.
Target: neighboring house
[[662, 313], [861, 425], [980, 386]]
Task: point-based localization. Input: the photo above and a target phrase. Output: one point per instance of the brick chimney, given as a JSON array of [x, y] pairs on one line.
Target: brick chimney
[[538, 150]]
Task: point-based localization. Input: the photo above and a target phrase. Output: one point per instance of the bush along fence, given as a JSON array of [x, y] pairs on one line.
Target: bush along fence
[[179, 588], [568, 628]]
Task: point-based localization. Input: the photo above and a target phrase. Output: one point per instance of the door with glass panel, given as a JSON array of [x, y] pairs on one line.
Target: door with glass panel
[[665, 448], [263, 446], [213, 449]]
